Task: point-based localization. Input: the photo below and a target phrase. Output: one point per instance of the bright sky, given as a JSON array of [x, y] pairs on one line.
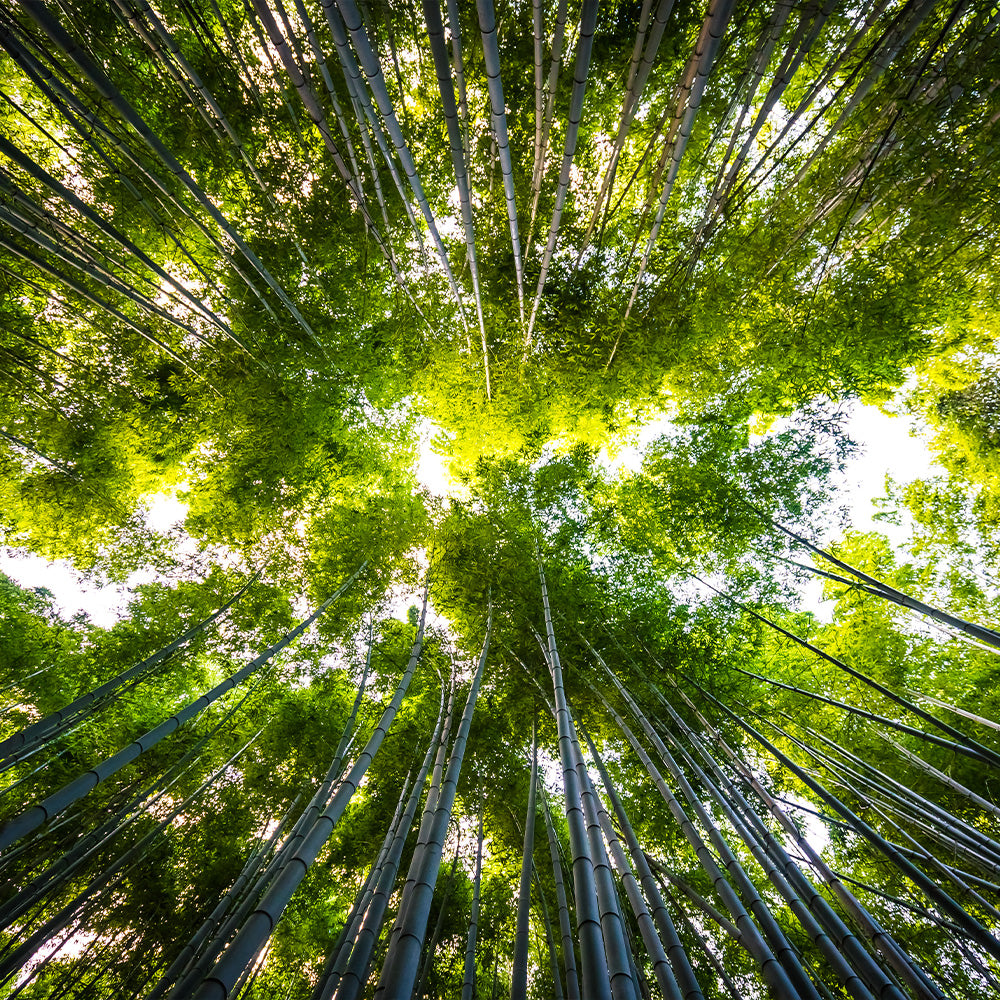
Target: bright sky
[[885, 445], [72, 593]]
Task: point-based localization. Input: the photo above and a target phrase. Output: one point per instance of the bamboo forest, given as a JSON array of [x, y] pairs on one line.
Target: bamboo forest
[[465, 400]]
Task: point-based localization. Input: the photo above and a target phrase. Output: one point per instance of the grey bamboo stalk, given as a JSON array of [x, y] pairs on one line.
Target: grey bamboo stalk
[[683, 978], [469, 975], [93, 297], [987, 755], [491, 55], [109, 876], [765, 49], [182, 960], [365, 113], [313, 109], [186, 70], [565, 931], [440, 759], [716, 20], [772, 970], [351, 979], [639, 69], [86, 255], [55, 803], [340, 953], [969, 924], [620, 967], [732, 990], [955, 828], [435, 937], [257, 929], [399, 971], [40, 14], [519, 972], [25, 217], [839, 932], [550, 106], [861, 713], [538, 27], [588, 23], [594, 974], [435, 32], [986, 635], [826, 945], [557, 985], [879, 937], [86, 124], [822, 83], [338, 111], [789, 960], [654, 947], [971, 716], [376, 81], [786, 954], [55, 722], [917, 850], [67, 194], [88, 845]]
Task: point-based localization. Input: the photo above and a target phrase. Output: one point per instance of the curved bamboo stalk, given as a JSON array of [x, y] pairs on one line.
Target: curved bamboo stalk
[[92, 72], [399, 970], [519, 973], [469, 975], [491, 55], [14, 747], [55, 803], [588, 24], [257, 929]]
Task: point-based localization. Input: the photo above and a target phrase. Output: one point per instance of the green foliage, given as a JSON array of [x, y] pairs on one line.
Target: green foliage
[[195, 304]]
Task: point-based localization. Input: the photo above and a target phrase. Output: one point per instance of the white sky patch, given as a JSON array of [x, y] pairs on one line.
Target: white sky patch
[[432, 469], [71, 591], [888, 445]]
